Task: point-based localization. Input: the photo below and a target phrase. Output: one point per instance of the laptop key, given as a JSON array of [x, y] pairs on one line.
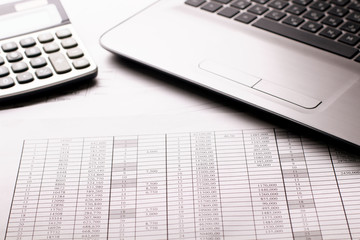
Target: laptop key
[[313, 15], [293, 21], [211, 7], [278, 4], [349, 39], [311, 26], [241, 4], [332, 21], [245, 18], [258, 9], [350, 27], [331, 33], [302, 2], [320, 6], [295, 9], [275, 15], [228, 12], [338, 11], [307, 38], [260, 1], [195, 3], [223, 1]]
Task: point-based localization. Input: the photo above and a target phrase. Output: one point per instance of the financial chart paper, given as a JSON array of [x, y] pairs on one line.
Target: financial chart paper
[[238, 184]]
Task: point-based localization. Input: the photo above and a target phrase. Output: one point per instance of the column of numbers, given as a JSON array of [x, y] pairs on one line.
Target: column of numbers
[[181, 221], [300, 198], [26, 197], [151, 188], [58, 195], [122, 214], [207, 202], [93, 190], [267, 192]]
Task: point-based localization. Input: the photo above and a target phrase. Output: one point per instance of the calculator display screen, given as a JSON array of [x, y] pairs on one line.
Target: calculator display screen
[[25, 19]]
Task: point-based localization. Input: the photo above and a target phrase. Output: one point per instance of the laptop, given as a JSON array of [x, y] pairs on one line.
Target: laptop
[[299, 59]]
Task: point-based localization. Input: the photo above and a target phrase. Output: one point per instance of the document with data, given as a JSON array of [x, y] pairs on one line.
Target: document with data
[[263, 183]]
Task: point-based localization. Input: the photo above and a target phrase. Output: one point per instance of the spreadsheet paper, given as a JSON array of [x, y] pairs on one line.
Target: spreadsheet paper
[[264, 183]]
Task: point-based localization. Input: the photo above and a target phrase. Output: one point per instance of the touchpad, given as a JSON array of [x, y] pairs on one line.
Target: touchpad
[[274, 89], [301, 79]]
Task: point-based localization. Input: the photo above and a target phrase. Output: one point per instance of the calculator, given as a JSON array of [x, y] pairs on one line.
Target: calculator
[[39, 48]]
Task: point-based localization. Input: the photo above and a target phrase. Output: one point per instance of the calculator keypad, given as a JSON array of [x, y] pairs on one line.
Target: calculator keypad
[[54, 54]]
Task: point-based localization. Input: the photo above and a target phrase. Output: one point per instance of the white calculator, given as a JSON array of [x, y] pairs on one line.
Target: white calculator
[[39, 48]]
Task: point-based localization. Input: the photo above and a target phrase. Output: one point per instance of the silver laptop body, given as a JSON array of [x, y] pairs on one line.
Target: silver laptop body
[[305, 84]]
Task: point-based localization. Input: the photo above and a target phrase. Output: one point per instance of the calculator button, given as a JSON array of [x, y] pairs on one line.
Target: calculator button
[[75, 53], [45, 38], [24, 78], [32, 52], [2, 60], [38, 62], [14, 56], [81, 63], [43, 73], [64, 33], [59, 63], [19, 67], [27, 42], [6, 82], [4, 71], [69, 43], [51, 47], [9, 47]]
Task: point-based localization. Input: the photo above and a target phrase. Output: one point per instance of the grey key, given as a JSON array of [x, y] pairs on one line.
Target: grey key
[[38, 62], [275, 15], [311, 26], [43, 73], [331, 33], [195, 3], [81, 63], [25, 77], [211, 7], [293, 21], [63, 33], [14, 56], [295, 9], [19, 67], [4, 71], [51, 47], [2, 60], [313, 15], [241, 4], [350, 27], [349, 39], [245, 17], [32, 52], [278, 4], [75, 53], [9, 47], [69, 43], [228, 12], [27, 42], [338, 11], [355, 16], [60, 63], [45, 38], [332, 21], [258, 9], [6, 82], [307, 38]]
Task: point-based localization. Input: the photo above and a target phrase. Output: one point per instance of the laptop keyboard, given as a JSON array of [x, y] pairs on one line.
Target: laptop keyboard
[[331, 25]]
